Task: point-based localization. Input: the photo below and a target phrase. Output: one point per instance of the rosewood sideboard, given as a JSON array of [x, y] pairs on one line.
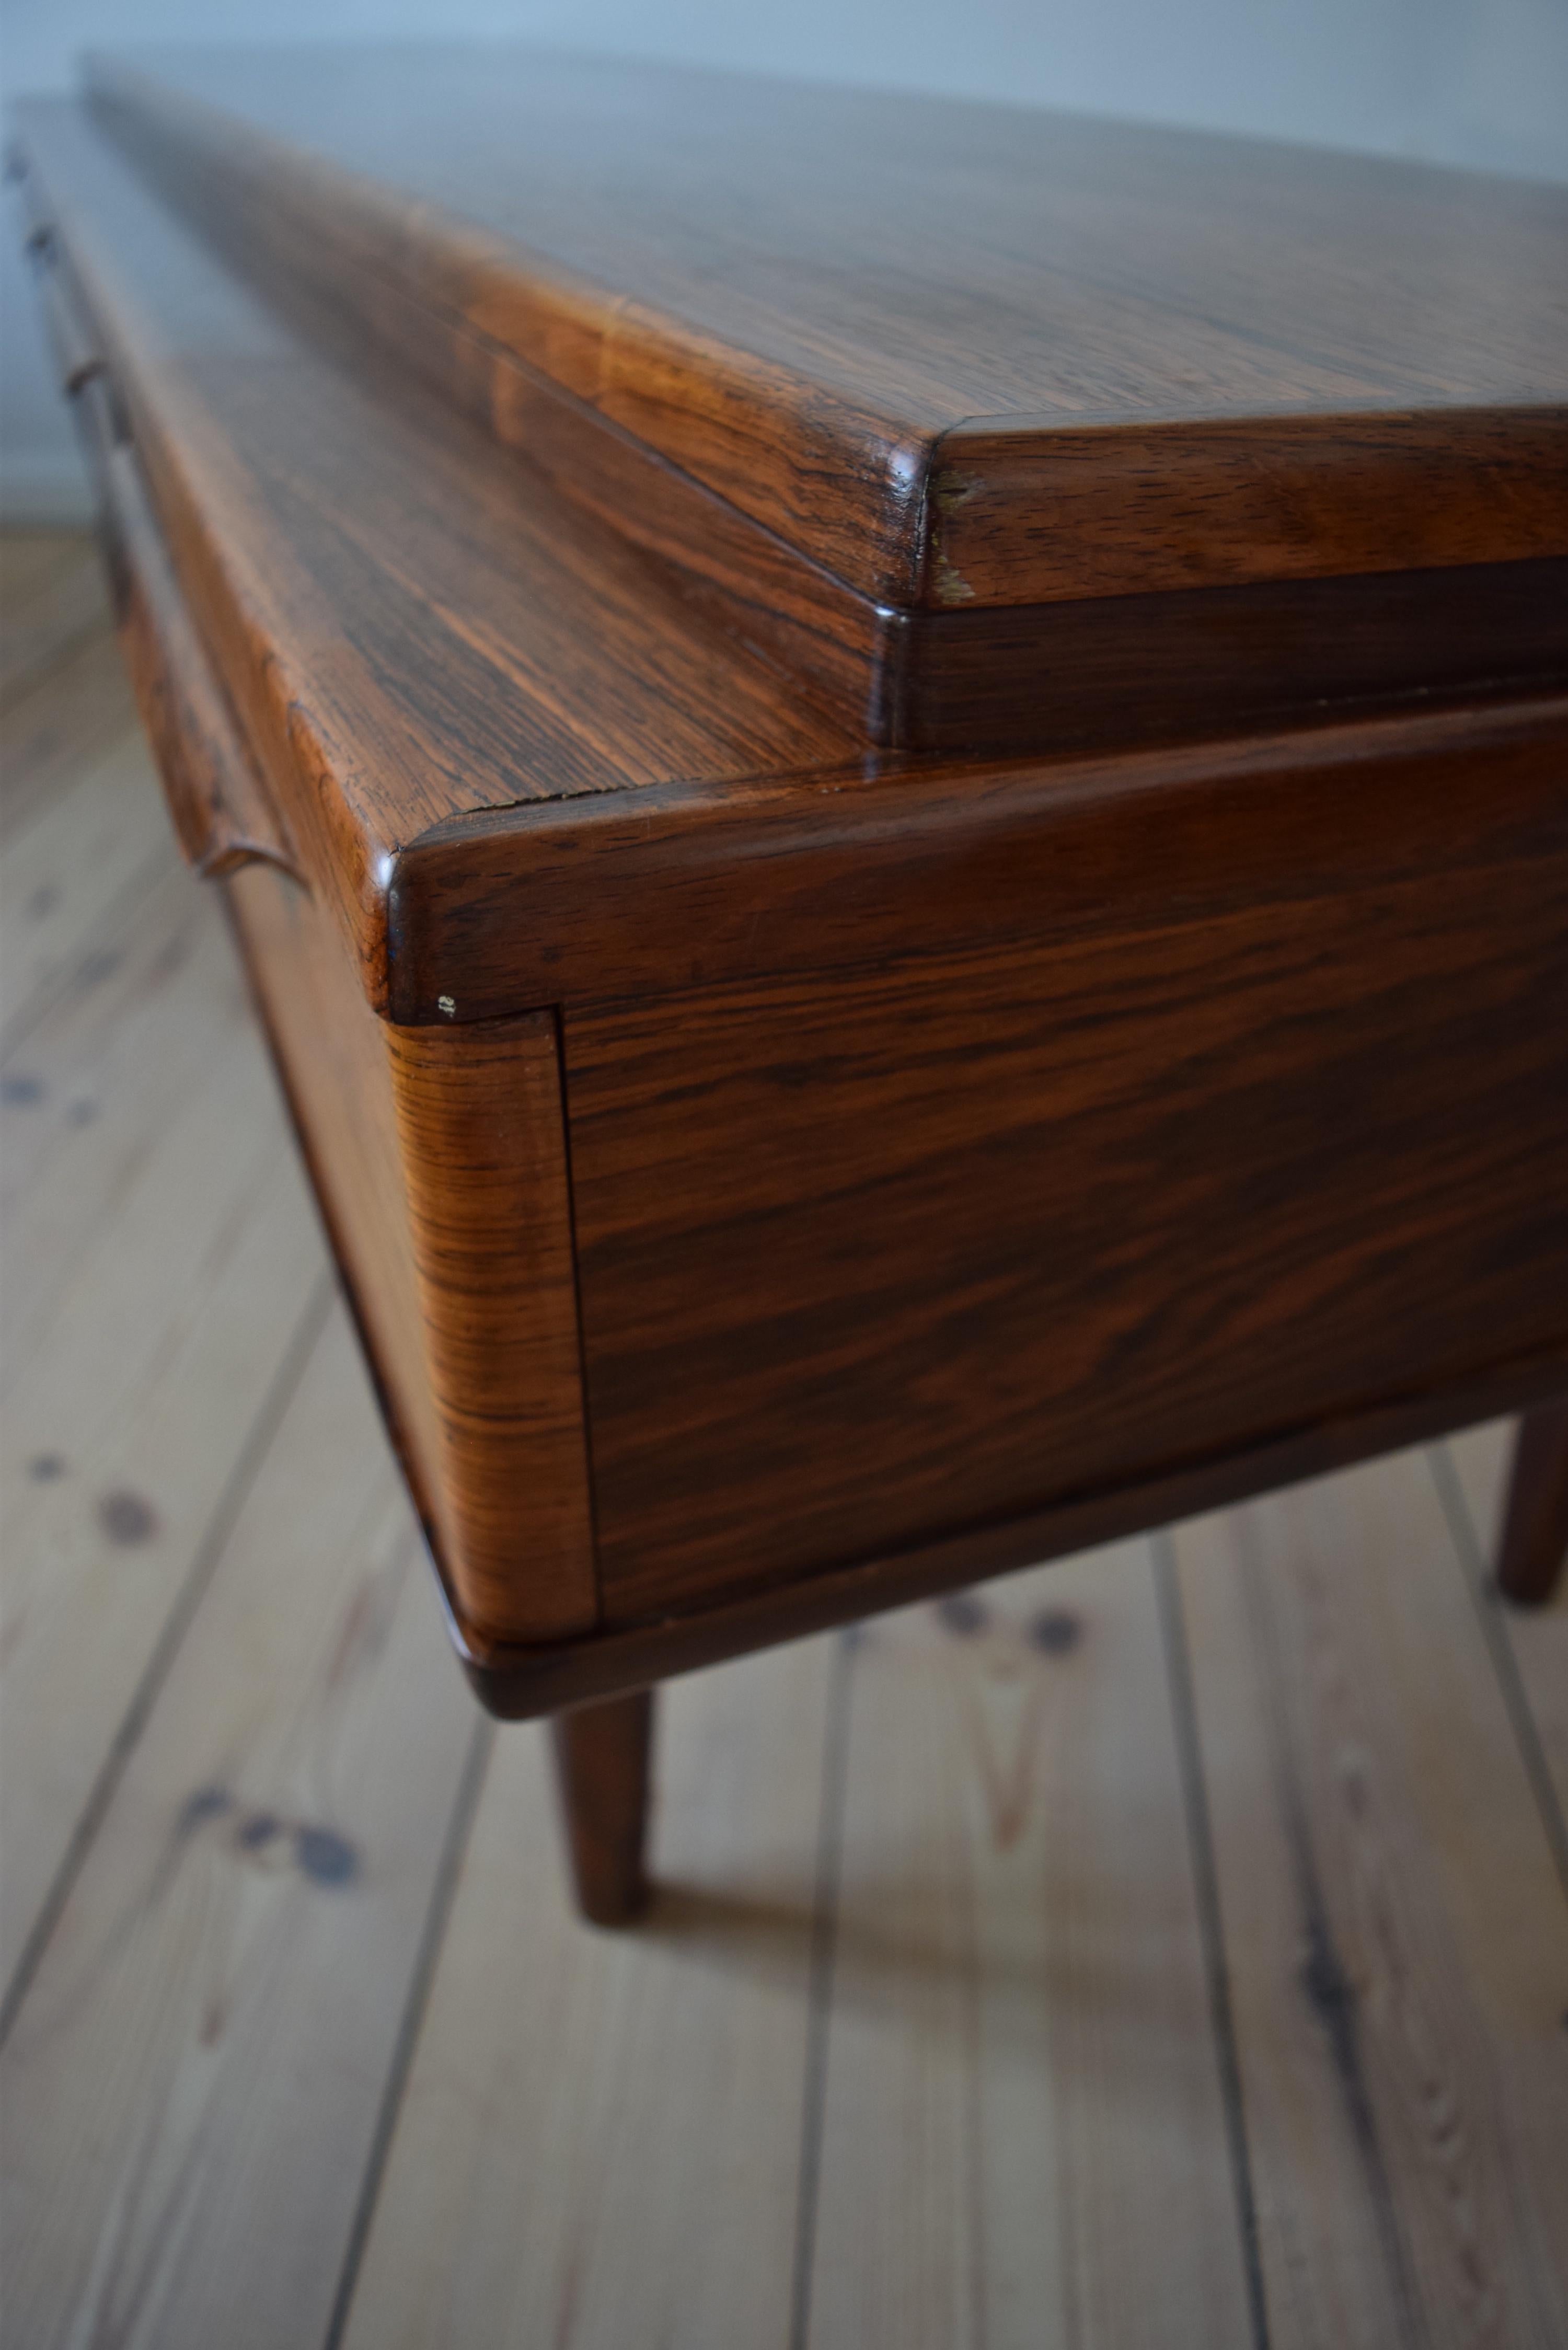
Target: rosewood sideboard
[[893, 776]]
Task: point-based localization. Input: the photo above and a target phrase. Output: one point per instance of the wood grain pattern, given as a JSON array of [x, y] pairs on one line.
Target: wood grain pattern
[[1019, 2041], [950, 1145], [601, 2134], [1098, 666], [371, 574], [1086, 668], [687, 886], [96, 1126], [1394, 1927], [192, 2083], [795, 294], [481, 1126], [330, 1053], [285, 486], [158, 1253], [221, 815], [758, 584], [518, 1683], [861, 1269], [231, 2082], [1169, 665], [439, 1157], [1122, 509]]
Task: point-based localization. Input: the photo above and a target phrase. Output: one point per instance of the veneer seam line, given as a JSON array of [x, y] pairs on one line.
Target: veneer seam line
[[191, 126]]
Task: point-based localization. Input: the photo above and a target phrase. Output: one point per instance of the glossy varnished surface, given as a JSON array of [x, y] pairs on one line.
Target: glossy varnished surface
[[418, 632], [1311, 364], [642, 896], [812, 1167], [862, 1268], [482, 1127], [412, 625], [439, 1159], [310, 2041], [331, 1056]]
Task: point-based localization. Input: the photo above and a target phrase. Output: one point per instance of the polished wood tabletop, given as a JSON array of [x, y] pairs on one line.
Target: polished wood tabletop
[[893, 777], [926, 395], [1109, 358]]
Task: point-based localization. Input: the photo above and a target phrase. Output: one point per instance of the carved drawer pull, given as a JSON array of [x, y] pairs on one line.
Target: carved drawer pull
[[221, 810], [75, 347]]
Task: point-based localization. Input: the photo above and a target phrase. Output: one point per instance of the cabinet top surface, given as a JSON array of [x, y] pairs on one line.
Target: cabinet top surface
[[825, 303], [460, 684]]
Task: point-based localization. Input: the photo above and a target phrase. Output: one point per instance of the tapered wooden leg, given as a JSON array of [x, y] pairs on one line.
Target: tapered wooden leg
[[602, 1755], [1535, 1525]]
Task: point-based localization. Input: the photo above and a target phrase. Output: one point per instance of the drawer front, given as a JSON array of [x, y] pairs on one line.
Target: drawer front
[[866, 1262]]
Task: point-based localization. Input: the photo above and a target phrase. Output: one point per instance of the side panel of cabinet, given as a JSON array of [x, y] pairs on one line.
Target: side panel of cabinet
[[439, 1159], [871, 1258]]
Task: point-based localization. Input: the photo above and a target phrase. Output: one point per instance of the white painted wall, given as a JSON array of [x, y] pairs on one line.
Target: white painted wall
[[1477, 82]]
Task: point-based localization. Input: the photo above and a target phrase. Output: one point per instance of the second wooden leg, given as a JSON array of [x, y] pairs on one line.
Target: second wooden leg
[[1535, 1523], [602, 1776]]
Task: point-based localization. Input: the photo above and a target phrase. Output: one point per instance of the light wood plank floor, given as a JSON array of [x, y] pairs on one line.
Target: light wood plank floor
[[1166, 1948]]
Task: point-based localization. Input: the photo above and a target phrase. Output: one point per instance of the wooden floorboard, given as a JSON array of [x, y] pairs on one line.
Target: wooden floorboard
[[1396, 1932], [98, 839], [1169, 1947], [58, 724], [52, 597], [1019, 2052], [601, 2134], [192, 2083], [159, 1257]]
